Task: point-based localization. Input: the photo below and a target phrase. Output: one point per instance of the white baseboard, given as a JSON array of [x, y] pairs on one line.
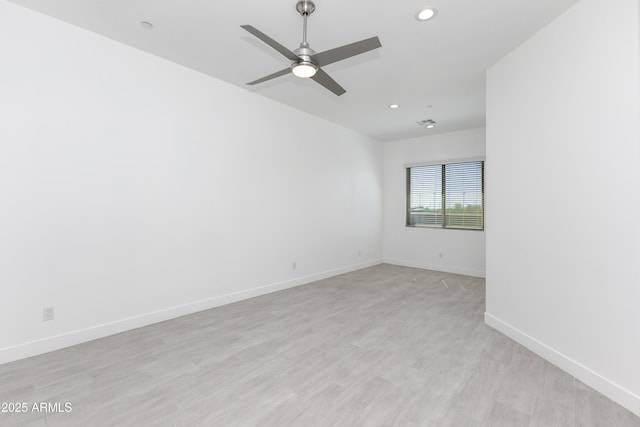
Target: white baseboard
[[435, 267], [605, 386], [45, 345]]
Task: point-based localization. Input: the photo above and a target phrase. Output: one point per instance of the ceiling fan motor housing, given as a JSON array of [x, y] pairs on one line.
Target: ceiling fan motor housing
[[305, 53]]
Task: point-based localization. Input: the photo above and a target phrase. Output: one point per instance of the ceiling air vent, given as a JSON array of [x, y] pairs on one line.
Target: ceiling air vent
[[428, 123]]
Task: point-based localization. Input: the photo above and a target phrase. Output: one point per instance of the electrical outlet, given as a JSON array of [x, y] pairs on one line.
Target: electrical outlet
[[47, 314], [293, 266]]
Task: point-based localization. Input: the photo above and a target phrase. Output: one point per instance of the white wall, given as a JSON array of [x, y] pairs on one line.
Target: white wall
[[463, 251], [135, 190], [563, 142]]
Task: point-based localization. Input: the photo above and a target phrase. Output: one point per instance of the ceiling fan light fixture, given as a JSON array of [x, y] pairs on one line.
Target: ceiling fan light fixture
[[304, 69], [426, 14]]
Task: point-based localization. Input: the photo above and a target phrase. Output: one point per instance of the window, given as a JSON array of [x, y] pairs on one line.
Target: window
[[446, 196]]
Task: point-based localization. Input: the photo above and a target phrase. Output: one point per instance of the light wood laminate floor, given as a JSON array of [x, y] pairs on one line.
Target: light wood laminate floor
[[383, 346]]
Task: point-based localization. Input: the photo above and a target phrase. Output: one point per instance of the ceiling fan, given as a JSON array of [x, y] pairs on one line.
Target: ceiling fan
[[305, 62]]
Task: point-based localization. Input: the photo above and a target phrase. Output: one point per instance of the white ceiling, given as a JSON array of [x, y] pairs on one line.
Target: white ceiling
[[441, 62]]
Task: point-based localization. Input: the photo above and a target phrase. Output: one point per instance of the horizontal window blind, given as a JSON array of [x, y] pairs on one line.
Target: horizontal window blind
[[425, 195], [448, 195], [463, 195]]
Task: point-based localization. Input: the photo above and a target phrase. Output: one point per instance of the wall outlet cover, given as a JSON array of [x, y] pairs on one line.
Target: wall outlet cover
[[47, 313]]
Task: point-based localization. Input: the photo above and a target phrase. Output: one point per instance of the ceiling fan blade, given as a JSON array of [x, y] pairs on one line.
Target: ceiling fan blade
[[271, 76], [271, 42], [325, 80], [347, 51]]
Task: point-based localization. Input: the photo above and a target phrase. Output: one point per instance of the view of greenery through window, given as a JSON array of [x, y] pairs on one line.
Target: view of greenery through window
[[459, 187]]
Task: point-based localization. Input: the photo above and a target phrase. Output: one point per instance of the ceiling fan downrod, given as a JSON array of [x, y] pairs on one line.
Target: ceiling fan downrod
[[305, 8]]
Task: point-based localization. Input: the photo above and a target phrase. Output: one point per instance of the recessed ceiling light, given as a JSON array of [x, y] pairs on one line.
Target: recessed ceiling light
[[146, 25], [426, 14], [394, 106]]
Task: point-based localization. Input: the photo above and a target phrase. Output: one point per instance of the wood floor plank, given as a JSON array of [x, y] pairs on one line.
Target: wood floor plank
[[383, 346]]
